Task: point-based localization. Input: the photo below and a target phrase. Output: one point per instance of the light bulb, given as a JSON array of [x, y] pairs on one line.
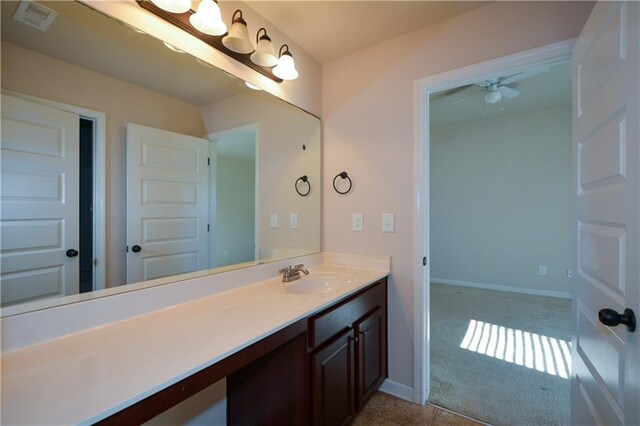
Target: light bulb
[[286, 68], [238, 38], [264, 54], [173, 6], [208, 18]]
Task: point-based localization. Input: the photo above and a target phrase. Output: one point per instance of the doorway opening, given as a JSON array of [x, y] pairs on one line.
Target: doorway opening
[[423, 317], [500, 238], [234, 196], [86, 149]]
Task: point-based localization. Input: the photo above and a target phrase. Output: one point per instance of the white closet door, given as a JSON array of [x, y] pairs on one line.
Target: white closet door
[[167, 203], [606, 116], [39, 198]]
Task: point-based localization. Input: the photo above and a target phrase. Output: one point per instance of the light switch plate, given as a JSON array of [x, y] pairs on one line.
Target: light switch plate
[[388, 222], [293, 220], [273, 220], [358, 222]]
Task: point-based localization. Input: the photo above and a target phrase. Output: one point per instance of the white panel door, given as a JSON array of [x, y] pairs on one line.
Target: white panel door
[[40, 168], [167, 203], [606, 359]]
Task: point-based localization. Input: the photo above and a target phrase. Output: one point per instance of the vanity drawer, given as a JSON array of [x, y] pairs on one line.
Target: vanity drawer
[[335, 320]]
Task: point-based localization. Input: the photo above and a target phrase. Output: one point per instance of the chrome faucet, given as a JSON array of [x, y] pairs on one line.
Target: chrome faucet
[[292, 272]]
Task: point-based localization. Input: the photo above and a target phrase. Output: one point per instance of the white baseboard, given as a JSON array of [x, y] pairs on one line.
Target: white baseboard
[[498, 287], [397, 389]]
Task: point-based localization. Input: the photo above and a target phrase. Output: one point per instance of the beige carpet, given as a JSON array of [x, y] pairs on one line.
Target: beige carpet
[[500, 357]]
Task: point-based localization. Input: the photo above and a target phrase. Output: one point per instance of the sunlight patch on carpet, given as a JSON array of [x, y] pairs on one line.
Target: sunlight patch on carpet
[[538, 352]]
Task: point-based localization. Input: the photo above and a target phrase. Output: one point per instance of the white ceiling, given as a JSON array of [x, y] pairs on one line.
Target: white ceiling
[[331, 29], [86, 38], [548, 89]]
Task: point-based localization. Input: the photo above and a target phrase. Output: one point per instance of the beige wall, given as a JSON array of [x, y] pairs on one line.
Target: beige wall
[[500, 201], [304, 92], [34, 74], [283, 129], [367, 108]]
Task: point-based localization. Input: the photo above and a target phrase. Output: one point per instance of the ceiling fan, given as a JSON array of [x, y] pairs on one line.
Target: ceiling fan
[[495, 89]]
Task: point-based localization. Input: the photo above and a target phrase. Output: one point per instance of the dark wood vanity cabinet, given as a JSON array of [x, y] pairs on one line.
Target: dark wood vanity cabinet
[[371, 355], [322, 376], [319, 370], [348, 346]]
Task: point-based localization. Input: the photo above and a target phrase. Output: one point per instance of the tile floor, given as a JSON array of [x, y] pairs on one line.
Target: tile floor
[[386, 410]]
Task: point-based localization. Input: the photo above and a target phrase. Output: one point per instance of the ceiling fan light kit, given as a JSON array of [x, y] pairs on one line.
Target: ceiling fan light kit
[[493, 96], [207, 25]]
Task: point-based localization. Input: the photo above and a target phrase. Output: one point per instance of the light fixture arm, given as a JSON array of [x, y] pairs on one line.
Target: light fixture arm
[[264, 36], [286, 52], [239, 18]]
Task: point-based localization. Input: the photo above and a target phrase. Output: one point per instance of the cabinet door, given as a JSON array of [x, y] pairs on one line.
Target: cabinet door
[[371, 355], [333, 382]]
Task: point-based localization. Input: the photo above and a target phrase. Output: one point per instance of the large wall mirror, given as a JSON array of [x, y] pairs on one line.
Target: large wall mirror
[[128, 163]]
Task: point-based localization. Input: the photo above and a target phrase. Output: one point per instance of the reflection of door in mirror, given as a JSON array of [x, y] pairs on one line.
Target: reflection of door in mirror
[[41, 234], [234, 199], [188, 210], [167, 203]]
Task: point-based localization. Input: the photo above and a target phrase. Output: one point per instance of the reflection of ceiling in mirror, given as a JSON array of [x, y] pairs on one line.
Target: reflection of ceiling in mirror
[[237, 146], [109, 47]]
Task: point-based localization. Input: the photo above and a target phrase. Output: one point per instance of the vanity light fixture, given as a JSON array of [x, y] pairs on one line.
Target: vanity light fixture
[[238, 38], [206, 24], [286, 68], [264, 54], [208, 19], [173, 6]]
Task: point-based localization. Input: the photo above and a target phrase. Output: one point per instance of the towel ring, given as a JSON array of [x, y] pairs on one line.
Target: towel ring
[[304, 179], [342, 175]]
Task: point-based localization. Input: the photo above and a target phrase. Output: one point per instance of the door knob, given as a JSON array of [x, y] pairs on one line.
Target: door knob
[[612, 318], [136, 249], [72, 253]]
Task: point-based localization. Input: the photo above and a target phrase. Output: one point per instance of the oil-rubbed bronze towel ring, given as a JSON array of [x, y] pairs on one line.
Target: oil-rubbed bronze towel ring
[[304, 179], [342, 175]]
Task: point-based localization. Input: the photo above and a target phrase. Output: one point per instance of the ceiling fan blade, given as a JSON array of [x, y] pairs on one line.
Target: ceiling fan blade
[[525, 74], [508, 92], [455, 101]]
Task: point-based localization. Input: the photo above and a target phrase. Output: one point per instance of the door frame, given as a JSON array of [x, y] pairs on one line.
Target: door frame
[[510, 64], [99, 120], [254, 129]]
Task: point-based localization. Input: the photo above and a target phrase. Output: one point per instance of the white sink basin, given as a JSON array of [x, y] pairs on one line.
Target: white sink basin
[[324, 282]]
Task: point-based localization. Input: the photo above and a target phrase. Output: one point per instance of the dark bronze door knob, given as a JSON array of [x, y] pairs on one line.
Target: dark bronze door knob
[[611, 318]]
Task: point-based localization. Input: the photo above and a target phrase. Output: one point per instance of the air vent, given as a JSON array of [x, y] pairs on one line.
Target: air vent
[[35, 15]]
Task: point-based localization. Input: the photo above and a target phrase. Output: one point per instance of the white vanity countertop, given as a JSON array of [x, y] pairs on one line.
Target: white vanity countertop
[[88, 376]]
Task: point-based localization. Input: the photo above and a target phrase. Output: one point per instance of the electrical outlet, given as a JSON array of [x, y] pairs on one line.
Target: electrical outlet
[[293, 220], [273, 220], [357, 222], [542, 270], [388, 222], [569, 273]]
